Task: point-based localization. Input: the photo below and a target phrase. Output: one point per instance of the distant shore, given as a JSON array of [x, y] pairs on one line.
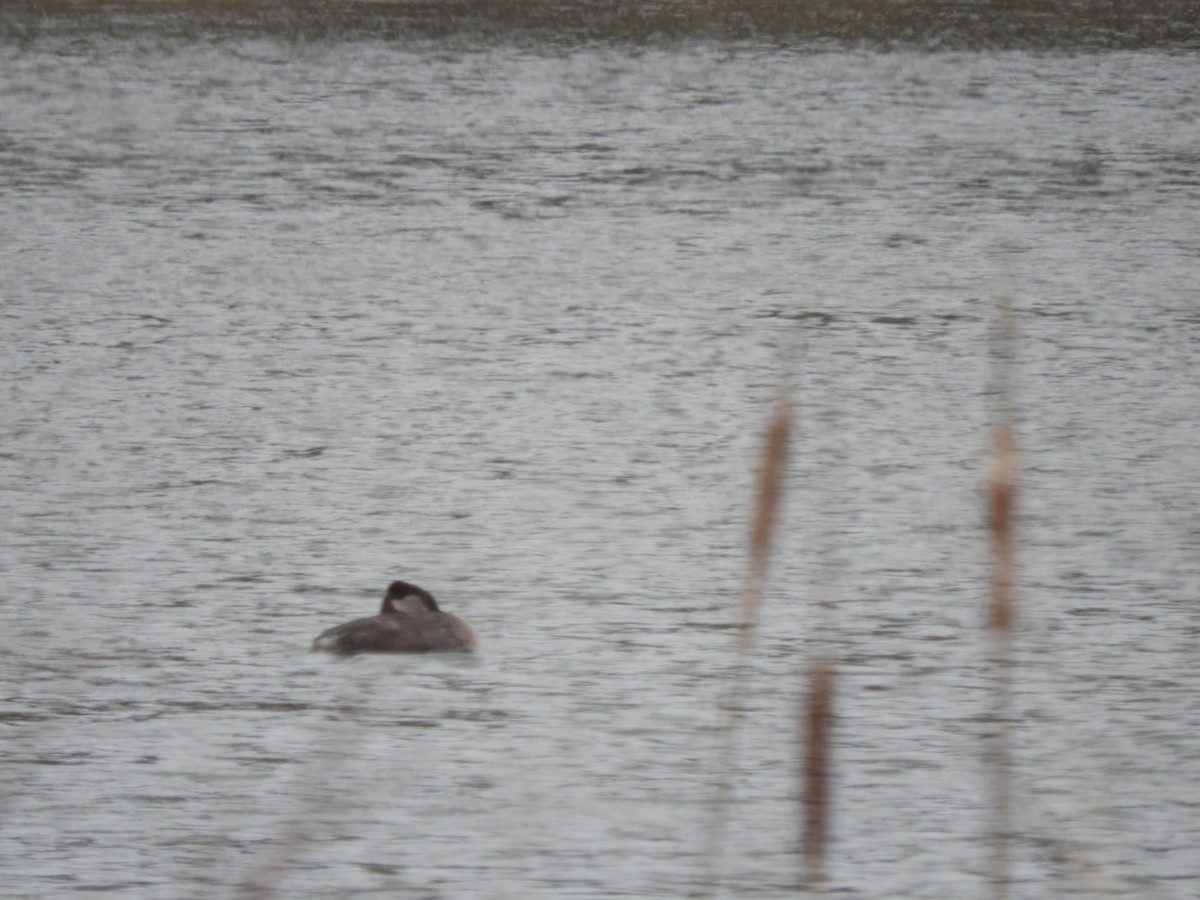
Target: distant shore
[[934, 24]]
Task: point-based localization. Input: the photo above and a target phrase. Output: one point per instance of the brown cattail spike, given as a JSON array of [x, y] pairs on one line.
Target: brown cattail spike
[[818, 718], [1002, 494], [770, 486]]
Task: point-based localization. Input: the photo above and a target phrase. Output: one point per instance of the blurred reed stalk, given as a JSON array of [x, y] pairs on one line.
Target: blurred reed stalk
[[330, 753], [818, 720], [1001, 495], [769, 496]]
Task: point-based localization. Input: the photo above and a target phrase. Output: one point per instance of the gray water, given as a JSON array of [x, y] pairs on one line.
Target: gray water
[[282, 322]]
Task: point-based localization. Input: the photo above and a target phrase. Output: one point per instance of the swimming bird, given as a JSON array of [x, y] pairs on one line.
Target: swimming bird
[[409, 621]]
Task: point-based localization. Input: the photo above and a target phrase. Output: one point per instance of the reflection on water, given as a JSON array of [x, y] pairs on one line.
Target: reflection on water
[[284, 322]]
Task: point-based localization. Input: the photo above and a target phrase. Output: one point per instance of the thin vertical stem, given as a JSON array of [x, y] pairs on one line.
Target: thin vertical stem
[[769, 495], [818, 718], [1001, 526]]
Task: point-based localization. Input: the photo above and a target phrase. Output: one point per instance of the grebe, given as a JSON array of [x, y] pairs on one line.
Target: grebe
[[409, 621]]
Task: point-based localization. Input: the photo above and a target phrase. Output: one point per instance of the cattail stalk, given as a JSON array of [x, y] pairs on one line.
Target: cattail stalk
[[818, 719], [1001, 507], [768, 499], [766, 513], [1001, 500]]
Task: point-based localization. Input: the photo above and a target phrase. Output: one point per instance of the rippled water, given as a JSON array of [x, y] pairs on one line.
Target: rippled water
[[283, 322]]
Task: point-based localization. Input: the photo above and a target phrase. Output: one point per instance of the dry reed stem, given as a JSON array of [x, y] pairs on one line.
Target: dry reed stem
[[770, 487], [1002, 494], [1001, 501], [818, 718], [333, 744], [768, 498], [1001, 526], [766, 513]]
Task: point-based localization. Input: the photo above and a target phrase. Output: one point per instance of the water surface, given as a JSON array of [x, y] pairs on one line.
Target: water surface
[[282, 322]]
